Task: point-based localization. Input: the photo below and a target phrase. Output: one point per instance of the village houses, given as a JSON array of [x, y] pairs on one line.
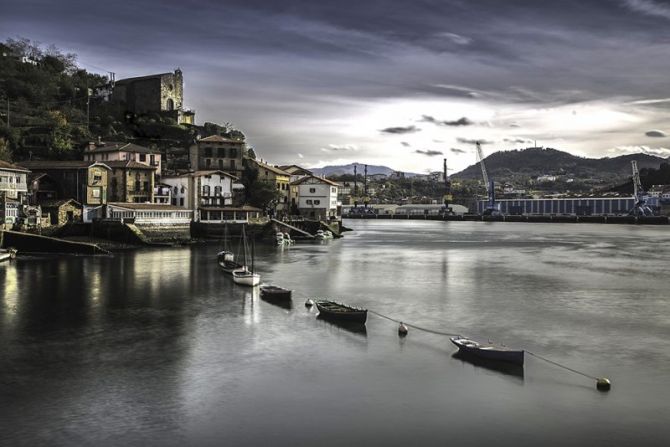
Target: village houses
[[280, 179], [217, 152], [104, 152], [317, 198], [13, 188]]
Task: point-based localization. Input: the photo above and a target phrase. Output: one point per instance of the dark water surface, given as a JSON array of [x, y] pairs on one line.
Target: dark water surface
[[159, 347]]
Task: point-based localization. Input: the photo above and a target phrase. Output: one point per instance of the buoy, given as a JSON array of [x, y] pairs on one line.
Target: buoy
[[603, 384], [402, 330], [309, 303]]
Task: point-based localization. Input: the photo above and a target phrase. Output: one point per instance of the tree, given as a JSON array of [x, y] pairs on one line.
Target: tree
[[251, 153], [258, 193]]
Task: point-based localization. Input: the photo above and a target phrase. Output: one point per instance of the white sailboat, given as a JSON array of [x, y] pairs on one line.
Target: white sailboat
[[245, 276]]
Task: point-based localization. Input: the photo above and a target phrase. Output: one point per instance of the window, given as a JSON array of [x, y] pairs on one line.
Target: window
[[312, 190], [143, 157], [333, 190], [205, 190], [220, 163], [317, 202], [176, 190], [217, 191], [146, 186], [308, 201], [174, 201], [183, 188], [181, 201], [152, 159], [221, 152], [137, 185], [96, 193], [232, 165], [208, 163], [208, 152], [233, 152]]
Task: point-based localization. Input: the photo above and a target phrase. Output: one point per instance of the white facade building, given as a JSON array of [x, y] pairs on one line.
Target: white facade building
[[13, 180], [317, 198], [148, 213], [199, 190]]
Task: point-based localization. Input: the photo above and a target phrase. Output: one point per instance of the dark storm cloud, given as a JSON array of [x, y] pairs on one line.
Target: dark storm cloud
[[428, 153], [518, 140], [400, 130], [267, 65], [472, 141], [656, 134], [456, 150], [459, 122]]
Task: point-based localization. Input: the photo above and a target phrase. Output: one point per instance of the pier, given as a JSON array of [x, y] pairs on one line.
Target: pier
[[632, 220]]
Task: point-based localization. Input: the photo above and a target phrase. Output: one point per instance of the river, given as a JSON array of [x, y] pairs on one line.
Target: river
[[158, 347]]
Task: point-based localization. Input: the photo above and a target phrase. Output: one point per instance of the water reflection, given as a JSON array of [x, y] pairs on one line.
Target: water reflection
[[508, 369], [354, 328]]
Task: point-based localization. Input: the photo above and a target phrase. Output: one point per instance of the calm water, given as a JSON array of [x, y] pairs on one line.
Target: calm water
[[159, 347]]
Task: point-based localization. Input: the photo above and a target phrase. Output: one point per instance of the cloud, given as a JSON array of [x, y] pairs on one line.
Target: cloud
[[456, 150], [400, 130], [656, 134], [472, 141], [459, 122], [518, 140], [648, 7], [405, 143], [429, 153], [340, 148], [300, 155], [516, 125], [651, 101], [455, 38], [455, 90]]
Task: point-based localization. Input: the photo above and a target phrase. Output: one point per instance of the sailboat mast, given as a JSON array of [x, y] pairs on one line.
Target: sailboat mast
[[244, 239], [253, 254]]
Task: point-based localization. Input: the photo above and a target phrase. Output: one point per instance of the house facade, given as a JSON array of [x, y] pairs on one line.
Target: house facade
[[218, 153], [84, 181], [13, 180], [200, 190], [148, 213], [278, 178], [131, 181], [104, 152], [317, 198]]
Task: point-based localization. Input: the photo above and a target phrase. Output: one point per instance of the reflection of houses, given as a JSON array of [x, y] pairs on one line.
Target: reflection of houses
[[148, 213], [84, 181], [160, 93], [278, 178], [13, 180], [317, 198], [62, 211], [201, 190], [104, 152], [131, 181], [217, 152]]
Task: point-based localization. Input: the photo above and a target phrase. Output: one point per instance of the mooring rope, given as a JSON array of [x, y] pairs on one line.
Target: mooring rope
[[562, 366], [432, 331]]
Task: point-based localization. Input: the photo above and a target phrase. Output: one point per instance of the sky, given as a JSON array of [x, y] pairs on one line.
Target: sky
[[391, 82]]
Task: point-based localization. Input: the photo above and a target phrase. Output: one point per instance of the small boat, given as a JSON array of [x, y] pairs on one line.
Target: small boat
[[341, 312], [270, 292], [283, 239], [7, 254], [226, 260], [323, 235], [245, 276], [488, 351]]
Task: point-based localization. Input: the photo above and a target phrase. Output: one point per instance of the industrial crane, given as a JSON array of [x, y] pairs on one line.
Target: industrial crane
[[447, 191], [640, 208], [491, 207]]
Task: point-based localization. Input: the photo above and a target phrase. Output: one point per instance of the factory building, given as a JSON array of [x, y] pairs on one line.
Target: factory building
[[583, 206]]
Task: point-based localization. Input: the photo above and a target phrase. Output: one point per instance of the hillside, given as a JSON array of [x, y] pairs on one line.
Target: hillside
[[349, 169], [534, 162]]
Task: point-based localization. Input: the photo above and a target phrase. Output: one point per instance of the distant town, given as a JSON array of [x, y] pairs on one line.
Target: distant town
[[78, 147]]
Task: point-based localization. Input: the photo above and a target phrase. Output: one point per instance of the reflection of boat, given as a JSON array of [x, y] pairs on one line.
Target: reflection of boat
[[507, 368], [353, 327], [245, 276], [323, 235], [271, 292], [284, 304], [489, 351], [7, 254], [341, 312]]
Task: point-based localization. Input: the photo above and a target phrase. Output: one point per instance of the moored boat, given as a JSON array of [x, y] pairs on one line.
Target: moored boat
[[323, 235], [245, 277], [226, 260], [270, 292], [488, 351], [341, 312], [7, 254]]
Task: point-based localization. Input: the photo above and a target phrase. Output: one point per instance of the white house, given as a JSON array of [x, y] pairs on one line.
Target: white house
[[200, 190], [317, 198], [148, 213], [13, 180]]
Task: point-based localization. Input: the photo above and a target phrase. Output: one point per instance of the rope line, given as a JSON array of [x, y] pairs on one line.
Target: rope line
[[561, 366], [432, 331]]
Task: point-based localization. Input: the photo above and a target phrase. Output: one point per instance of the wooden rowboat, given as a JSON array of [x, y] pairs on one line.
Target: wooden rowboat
[[270, 292], [341, 312], [488, 351]]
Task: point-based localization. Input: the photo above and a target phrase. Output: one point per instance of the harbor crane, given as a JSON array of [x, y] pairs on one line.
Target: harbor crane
[[491, 208], [447, 198], [640, 208]]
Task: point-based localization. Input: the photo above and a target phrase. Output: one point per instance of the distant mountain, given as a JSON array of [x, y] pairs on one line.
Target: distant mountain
[[535, 161], [349, 169]]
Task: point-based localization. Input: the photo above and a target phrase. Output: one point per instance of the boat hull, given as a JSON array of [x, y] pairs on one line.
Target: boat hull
[[492, 353], [275, 293], [330, 310], [246, 278]]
